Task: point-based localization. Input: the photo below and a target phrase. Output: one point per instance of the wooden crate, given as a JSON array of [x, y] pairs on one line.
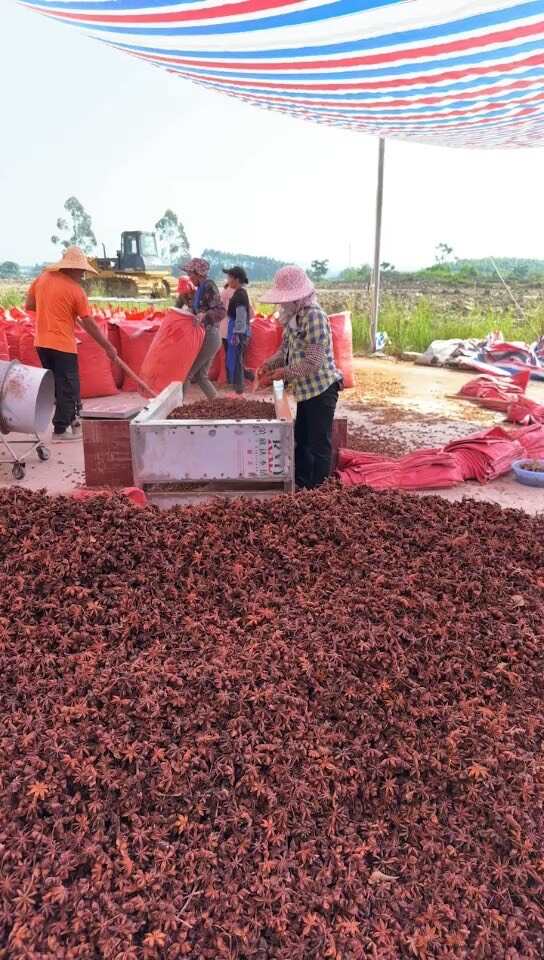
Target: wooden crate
[[106, 440]]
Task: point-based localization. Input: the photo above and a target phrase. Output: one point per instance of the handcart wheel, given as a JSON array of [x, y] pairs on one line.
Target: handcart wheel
[[43, 453], [18, 471]]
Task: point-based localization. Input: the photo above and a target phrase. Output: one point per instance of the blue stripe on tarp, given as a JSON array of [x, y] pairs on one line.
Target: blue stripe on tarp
[[342, 76], [131, 6], [328, 11], [408, 92], [433, 32], [415, 122], [411, 109], [338, 95], [389, 71]]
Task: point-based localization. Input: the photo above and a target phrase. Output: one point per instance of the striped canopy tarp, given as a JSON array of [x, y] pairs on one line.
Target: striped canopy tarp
[[466, 73]]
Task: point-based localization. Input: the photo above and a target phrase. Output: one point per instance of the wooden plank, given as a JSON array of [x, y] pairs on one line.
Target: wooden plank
[[119, 407]]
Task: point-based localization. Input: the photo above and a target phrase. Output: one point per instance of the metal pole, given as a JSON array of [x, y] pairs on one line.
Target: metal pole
[[377, 248]]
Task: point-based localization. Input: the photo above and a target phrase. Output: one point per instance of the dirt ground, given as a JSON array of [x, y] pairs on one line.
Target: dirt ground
[[394, 408]]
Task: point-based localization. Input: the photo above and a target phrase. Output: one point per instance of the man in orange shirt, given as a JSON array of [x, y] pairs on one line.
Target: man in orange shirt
[[60, 303]]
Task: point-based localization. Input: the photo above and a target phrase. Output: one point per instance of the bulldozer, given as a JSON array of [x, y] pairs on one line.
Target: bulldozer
[[136, 271]]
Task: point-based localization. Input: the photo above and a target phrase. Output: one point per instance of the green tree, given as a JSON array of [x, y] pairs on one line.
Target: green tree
[[355, 274], [318, 270], [9, 270], [259, 269], [76, 229], [443, 253], [387, 267], [172, 239]]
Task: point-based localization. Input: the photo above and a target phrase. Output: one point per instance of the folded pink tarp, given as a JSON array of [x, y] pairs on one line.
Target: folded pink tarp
[[495, 393], [487, 455], [531, 439], [525, 411], [422, 470], [482, 457]]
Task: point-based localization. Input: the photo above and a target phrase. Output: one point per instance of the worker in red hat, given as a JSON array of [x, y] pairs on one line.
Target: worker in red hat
[[60, 303], [186, 290]]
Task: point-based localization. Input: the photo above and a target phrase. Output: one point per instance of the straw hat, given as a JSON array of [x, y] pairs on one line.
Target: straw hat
[[73, 259], [290, 284]]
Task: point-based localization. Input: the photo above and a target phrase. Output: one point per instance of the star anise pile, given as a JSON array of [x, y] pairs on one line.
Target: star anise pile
[[303, 729], [225, 408]]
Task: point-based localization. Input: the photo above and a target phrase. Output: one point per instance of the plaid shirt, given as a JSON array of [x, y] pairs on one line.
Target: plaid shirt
[[306, 353]]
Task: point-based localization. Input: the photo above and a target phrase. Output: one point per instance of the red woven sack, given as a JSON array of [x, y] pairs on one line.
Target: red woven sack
[[27, 350], [136, 339], [342, 345], [13, 330], [95, 368], [4, 348], [265, 341], [173, 351]]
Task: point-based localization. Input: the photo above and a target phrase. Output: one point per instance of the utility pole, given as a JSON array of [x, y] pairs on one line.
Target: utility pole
[[377, 247]]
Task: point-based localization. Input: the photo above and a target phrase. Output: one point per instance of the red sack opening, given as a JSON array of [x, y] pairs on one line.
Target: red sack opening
[[136, 339], [342, 345], [173, 351], [265, 341], [95, 368]]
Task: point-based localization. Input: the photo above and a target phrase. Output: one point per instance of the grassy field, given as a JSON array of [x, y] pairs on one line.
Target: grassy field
[[413, 327], [411, 316]]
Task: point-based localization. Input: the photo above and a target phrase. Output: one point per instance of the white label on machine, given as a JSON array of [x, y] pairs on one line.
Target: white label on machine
[[263, 455]]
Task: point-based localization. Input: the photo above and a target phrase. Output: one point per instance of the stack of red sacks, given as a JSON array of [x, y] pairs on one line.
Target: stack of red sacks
[[422, 470], [487, 455], [525, 411], [495, 393], [506, 395], [482, 456], [532, 440]]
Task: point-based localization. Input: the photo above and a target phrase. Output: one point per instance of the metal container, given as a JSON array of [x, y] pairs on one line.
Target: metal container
[[27, 398], [187, 461]]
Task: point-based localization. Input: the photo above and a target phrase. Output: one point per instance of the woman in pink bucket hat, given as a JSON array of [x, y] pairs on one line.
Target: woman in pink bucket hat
[[306, 362]]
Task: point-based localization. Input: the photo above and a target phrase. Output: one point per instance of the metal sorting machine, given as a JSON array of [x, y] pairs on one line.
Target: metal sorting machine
[[27, 398], [189, 461]]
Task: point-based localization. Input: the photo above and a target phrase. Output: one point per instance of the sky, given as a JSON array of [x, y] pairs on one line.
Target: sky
[[130, 140]]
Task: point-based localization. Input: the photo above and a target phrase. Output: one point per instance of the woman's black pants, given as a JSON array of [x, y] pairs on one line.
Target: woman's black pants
[[313, 438]]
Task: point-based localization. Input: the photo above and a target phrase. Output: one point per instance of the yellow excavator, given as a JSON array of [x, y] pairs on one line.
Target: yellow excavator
[[136, 271]]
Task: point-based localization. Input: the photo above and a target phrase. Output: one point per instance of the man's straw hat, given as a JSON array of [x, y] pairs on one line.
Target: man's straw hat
[[73, 259]]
